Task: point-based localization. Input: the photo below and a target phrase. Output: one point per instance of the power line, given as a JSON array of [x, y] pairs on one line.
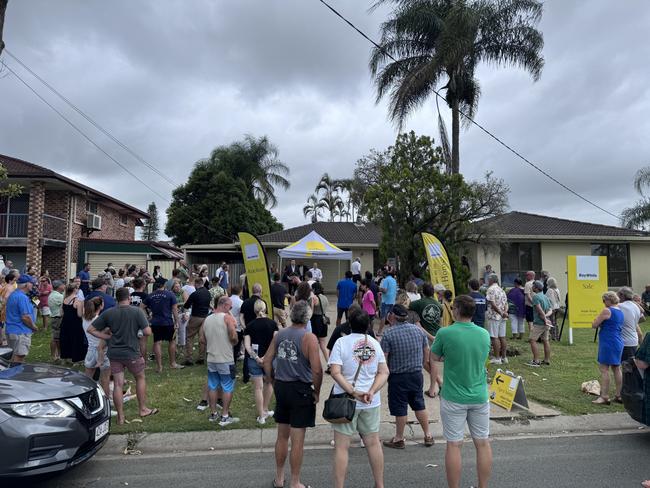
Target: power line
[[91, 120], [497, 139], [103, 151]]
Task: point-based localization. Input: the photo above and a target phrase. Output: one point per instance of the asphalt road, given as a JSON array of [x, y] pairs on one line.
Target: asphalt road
[[616, 461]]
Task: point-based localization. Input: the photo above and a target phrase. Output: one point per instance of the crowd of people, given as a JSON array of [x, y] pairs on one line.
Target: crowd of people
[[383, 335]]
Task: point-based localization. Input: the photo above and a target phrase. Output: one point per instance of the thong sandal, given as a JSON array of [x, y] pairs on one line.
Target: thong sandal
[[601, 401], [153, 411], [275, 484]]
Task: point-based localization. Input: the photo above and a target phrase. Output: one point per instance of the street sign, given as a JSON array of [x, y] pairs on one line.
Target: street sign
[[507, 389]]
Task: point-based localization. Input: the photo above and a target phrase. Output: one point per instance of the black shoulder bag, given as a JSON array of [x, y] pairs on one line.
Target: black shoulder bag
[[340, 408]]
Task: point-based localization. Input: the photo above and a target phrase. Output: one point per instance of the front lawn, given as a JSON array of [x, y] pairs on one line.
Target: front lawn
[[177, 392]]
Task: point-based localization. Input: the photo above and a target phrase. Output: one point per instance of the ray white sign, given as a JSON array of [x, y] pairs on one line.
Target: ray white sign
[[587, 268]]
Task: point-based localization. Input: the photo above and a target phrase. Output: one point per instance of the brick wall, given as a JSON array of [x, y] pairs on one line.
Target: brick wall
[[111, 227], [56, 203], [54, 262], [35, 224]]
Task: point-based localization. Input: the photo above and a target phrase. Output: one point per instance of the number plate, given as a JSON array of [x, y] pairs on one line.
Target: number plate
[[101, 430]]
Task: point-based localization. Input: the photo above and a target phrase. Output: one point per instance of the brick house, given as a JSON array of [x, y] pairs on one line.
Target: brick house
[[44, 225]]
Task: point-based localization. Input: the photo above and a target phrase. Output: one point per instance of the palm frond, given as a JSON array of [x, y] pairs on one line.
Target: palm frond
[[637, 216], [642, 179]]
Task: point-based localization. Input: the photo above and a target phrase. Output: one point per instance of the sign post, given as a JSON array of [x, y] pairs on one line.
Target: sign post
[[586, 281], [256, 269], [507, 390], [439, 266]]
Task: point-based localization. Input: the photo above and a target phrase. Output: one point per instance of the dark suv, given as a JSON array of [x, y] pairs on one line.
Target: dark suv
[[51, 418]]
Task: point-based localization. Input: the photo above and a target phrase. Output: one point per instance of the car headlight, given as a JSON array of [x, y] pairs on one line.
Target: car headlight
[[53, 409]]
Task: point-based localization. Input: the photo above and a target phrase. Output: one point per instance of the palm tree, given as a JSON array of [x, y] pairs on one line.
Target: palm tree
[[438, 44], [255, 161], [312, 208], [637, 216], [331, 200]]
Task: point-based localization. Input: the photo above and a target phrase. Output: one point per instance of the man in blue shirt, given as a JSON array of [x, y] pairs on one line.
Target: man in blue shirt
[[479, 300], [164, 322], [84, 276], [21, 319], [389, 293], [99, 290], [346, 291]]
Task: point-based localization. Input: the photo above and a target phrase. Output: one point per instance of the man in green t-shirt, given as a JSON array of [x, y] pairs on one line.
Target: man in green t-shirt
[[430, 312], [541, 325], [464, 396]]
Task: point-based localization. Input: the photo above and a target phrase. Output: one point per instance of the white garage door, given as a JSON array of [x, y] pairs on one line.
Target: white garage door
[[99, 260]]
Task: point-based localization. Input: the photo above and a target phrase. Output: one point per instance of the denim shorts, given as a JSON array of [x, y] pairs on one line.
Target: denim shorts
[[455, 415], [254, 369], [219, 379]]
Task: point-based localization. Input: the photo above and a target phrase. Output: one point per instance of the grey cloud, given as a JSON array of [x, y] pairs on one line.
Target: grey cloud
[[175, 79]]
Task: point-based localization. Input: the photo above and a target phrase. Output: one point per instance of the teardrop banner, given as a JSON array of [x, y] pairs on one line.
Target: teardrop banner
[[439, 267], [256, 269]]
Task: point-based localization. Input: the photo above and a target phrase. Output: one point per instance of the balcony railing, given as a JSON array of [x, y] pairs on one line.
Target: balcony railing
[[15, 226], [53, 228]]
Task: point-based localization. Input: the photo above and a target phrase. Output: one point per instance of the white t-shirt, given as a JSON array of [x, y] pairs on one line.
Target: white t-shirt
[[347, 351], [235, 310], [317, 274], [631, 317], [356, 268]]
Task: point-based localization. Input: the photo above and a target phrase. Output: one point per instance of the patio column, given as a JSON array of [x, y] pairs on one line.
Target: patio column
[[35, 224]]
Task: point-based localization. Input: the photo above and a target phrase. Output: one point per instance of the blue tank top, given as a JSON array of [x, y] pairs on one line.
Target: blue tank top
[[290, 363]]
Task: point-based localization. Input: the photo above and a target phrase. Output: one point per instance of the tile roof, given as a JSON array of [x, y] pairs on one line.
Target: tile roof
[[17, 168], [527, 224], [335, 232]]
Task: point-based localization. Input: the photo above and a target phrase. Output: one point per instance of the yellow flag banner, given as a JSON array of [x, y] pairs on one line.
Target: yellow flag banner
[[256, 269], [586, 282], [439, 266]]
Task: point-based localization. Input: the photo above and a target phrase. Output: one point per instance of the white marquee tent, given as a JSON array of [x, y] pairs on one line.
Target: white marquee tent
[[314, 246]]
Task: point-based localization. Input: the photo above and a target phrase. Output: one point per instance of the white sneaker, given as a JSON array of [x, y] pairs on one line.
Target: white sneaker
[[504, 360], [495, 361], [268, 414], [261, 420], [361, 443], [226, 421], [203, 405]]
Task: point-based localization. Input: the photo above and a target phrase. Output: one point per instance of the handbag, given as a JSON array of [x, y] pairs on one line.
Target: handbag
[[632, 393], [326, 319], [340, 408]]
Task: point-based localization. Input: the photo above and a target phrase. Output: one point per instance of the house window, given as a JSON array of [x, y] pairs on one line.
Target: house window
[[517, 258], [124, 219], [618, 262], [92, 207]]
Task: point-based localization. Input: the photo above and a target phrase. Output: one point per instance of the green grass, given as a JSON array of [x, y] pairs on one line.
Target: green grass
[[169, 393], [558, 385]]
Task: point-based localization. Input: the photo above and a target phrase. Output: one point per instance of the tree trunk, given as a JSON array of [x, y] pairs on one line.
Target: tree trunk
[[3, 9], [455, 138]]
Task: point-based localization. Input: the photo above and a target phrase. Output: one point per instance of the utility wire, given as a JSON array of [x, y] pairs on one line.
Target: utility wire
[[102, 150], [497, 139], [92, 121]]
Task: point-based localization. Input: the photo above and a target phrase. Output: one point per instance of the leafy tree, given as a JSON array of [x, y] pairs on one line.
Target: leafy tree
[[312, 208], [11, 189], [638, 216], [439, 44], [255, 161], [151, 226], [412, 193], [330, 199], [226, 194]]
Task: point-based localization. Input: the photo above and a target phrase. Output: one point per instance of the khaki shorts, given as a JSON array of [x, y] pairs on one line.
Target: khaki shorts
[[20, 343], [538, 331], [280, 316], [193, 327], [365, 421], [55, 326]]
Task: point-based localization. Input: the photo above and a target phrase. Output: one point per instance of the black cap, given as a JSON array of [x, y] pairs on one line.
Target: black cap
[[399, 310]]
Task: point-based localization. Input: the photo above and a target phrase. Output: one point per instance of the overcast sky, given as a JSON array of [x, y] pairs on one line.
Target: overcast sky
[[173, 79]]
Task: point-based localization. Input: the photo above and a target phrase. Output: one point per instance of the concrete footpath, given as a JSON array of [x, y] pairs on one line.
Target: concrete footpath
[[321, 435]]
